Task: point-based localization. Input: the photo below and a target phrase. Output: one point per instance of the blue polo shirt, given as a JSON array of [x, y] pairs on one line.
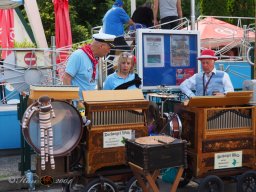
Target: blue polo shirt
[[80, 67], [113, 80], [114, 20]]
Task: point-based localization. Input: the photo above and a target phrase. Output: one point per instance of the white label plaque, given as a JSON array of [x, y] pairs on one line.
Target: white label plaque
[[228, 160], [116, 138]]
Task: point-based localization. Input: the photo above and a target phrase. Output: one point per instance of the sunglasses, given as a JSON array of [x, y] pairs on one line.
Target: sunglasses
[[127, 55]]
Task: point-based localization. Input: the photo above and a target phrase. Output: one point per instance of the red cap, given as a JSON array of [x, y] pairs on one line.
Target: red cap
[[208, 54]]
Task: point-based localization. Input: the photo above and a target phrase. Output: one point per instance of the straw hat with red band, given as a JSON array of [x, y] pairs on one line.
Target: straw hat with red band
[[208, 54]]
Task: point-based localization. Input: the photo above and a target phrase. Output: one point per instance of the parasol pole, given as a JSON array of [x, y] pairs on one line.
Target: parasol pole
[[192, 10]]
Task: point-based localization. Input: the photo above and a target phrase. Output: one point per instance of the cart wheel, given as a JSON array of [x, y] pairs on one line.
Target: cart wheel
[[76, 184], [101, 184], [211, 183], [185, 178], [133, 185], [247, 182]]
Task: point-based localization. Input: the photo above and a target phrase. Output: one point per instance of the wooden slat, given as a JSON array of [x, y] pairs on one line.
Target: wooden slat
[[112, 95], [231, 99]]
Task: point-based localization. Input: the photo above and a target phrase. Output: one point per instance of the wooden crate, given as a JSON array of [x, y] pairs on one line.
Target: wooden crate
[[152, 157]]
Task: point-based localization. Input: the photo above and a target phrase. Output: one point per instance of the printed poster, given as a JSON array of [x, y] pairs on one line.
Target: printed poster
[[154, 51], [182, 74], [180, 52]]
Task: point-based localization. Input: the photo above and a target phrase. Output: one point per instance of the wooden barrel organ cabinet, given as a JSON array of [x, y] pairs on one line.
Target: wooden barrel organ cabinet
[[220, 132]]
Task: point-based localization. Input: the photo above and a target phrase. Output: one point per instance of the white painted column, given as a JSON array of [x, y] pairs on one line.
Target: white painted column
[[19, 30], [133, 6], [35, 23]]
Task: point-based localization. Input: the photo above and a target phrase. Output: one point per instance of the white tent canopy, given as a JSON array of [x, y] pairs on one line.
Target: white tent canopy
[[8, 4]]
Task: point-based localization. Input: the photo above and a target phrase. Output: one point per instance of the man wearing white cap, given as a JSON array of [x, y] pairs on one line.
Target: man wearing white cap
[[208, 82], [81, 69]]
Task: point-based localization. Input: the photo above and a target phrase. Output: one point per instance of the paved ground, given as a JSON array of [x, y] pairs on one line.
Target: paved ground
[[10, 180]]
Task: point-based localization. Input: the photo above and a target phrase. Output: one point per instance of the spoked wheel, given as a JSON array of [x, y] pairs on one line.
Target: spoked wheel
[[101, 185], [185, 178], [76, 184], [133, 185], [247, 182], [211, 183]]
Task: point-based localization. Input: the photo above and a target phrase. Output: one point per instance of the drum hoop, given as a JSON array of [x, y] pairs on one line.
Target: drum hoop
[[175, 115], [180, 125], [26, 136]]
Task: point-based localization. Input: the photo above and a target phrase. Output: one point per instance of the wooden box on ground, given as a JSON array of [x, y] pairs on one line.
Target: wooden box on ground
[[157, 156], [221, 139], [115, 115]]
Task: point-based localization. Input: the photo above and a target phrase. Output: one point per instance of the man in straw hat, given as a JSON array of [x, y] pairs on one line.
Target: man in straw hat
[[81, 69], [209, 81]]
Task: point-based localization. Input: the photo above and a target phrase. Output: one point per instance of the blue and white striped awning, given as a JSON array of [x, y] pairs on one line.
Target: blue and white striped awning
[[9, 4]]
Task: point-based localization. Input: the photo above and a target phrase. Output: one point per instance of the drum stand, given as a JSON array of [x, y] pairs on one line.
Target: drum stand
[[140, 174], [163, 98]]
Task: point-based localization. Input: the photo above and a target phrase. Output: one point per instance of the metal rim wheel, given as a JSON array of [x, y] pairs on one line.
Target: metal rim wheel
[[133, 185], [75, 184], [211, 183], [185, 178], [247, 182], [100, 184]]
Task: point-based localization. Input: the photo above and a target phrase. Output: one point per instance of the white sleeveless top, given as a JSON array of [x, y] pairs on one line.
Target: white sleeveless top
[[167, 8]]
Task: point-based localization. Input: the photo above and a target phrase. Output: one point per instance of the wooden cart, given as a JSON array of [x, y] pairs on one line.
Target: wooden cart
[[220, 131], [99, 158]]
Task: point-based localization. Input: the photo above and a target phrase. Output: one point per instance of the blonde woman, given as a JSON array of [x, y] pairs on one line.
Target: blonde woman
[[124, 77]]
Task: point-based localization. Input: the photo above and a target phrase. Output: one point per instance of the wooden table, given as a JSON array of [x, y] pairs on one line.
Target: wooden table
[[139, 173]]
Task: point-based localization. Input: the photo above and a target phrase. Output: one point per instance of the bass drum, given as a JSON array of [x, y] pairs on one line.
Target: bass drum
[[67, 128]]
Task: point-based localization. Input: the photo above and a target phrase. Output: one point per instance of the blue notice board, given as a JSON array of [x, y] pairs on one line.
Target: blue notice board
[[166, 57]]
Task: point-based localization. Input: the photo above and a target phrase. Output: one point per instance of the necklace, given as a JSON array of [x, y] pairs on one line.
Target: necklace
[[207, 83]]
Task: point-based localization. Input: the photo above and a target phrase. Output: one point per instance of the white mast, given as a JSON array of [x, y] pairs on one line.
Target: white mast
[[35, 23]]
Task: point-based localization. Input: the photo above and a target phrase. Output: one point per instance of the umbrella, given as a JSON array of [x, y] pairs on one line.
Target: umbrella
[[8, 4], [62, 24], [6, 30], [216, 33]]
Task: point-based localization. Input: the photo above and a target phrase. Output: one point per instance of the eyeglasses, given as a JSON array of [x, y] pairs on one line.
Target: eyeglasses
[[127, 55]]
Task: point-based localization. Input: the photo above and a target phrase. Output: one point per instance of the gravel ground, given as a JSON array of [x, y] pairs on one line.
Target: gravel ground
[[9, 167], [11, 180]]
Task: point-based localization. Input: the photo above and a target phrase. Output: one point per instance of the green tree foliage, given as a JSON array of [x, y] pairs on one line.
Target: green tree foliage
[[47, 16], [242, 8], [214, 7], [24, 44], [90, 12], [235, 8], [79, 32], [186, 6], [85, 14]]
